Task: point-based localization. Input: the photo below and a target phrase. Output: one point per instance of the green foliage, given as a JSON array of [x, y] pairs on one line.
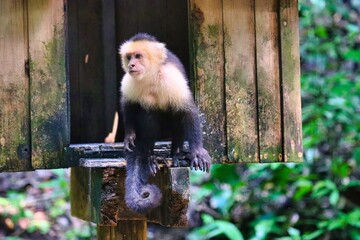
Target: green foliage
[[317, 199], [214, 228], [41, 209]]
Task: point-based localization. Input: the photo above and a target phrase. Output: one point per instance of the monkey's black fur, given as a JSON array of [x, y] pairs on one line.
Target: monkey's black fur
[[149, 125]]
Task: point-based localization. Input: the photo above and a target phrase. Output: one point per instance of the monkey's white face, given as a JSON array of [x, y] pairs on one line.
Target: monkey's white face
[[136, 65]]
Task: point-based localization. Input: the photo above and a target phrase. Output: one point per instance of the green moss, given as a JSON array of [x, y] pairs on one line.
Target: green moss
[[213, 31], [49, 103]]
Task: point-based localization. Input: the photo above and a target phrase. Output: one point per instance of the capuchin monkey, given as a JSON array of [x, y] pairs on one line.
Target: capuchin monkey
[[156, 101]]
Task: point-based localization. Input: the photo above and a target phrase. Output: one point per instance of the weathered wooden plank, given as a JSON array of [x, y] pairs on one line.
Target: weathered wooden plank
[[125, 230], [14, 88], [50, 132], [153, 23], [268, 80], [208, 72], [111, 83], [177, 30], [73, 69], [240, 75], [291, 94], [87, 85], [103, 154], [79, 193], [126, 21]]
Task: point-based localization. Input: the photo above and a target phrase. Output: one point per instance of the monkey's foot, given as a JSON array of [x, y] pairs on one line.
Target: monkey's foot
[[154, 163], [129, 141], [200, 160], [179, 157]]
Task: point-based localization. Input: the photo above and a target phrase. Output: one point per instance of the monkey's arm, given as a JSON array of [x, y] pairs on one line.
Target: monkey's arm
[[200, 158], [129, 110]]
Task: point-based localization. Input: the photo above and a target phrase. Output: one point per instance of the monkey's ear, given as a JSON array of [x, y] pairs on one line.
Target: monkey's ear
[[161, 51]]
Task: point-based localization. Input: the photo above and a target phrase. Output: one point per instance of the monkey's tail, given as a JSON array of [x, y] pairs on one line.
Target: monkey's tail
[[140, 196]]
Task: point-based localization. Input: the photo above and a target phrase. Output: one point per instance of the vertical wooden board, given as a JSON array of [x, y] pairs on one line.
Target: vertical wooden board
[[240, 78], [126, 20], [73, 69], [111, 85], [153, 23], [134, 16], [206, 28], [177, 38], [87, 104], [268, 80], [14, 88], [80, 193], [291, 93], [48, 90]]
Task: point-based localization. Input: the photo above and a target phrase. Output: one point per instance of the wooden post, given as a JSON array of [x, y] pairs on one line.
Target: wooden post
[[125, 230], [97, 191]]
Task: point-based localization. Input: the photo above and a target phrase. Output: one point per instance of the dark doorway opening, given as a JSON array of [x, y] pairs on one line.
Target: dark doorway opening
[[95, 30]]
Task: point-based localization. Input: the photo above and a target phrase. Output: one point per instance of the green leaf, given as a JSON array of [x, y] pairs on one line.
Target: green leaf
[[4, 202], [229, 229], [353, 55], [334, 197], [213, 228], [313, 235], [294, 233]]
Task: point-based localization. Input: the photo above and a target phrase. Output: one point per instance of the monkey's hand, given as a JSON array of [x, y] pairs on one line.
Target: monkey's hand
[[129, 141], [200, 160], [154, 163], [179, 157]]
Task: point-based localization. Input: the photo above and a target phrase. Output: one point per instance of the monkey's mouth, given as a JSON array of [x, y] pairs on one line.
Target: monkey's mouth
[[134, 72]]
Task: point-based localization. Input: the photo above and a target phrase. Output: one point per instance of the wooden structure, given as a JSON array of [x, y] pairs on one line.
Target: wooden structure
[[59, 68]]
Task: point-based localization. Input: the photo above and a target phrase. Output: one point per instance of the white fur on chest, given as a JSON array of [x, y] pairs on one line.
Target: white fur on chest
[[167, 88]]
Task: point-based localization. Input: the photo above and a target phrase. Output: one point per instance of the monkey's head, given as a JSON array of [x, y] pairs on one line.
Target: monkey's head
[[142, 56]]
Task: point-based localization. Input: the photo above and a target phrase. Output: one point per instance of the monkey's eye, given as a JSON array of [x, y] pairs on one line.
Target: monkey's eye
[[138, 56], [128, 57]]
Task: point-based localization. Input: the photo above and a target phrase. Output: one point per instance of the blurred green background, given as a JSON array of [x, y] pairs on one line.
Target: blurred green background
[[319, 199]]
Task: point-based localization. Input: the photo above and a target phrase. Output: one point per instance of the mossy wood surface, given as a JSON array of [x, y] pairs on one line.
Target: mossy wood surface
[[268, 80], [34, 122], [207, 43], [48, 86], [14, 87], [247, 78], [241, 102], [290, 64]]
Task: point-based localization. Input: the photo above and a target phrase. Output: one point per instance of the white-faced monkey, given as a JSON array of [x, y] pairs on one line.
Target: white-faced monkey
[[155, 101]]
